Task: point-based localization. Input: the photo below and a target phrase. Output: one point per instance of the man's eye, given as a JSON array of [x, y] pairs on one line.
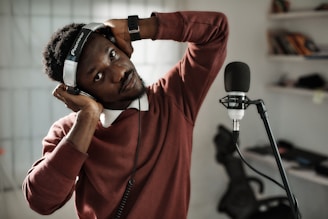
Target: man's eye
[[112, 54], [98, 76]]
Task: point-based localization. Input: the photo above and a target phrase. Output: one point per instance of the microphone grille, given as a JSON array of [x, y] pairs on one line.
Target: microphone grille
[[237, 77]]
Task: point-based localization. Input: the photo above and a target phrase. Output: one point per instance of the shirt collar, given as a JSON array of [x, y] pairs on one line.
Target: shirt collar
[[107, 117]]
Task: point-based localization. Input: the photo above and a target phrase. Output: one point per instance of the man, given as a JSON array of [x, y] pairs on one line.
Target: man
[[126, 150]]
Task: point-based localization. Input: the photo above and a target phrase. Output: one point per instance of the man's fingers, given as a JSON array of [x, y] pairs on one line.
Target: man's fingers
[[59, 91]]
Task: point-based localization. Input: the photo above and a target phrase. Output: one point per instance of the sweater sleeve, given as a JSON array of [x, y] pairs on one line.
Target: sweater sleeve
[[50, 182], [206, 34]]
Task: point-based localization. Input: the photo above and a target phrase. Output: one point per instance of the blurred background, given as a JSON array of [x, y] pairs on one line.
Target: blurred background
[[27, 107]]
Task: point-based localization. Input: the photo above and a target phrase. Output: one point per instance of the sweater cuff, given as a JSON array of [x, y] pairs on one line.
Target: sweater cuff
[[66, 159], [168, 25]]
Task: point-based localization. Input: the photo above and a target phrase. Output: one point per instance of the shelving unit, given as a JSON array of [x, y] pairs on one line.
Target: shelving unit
[[313, 59], [297, 58], [298, 14], [295, 62]]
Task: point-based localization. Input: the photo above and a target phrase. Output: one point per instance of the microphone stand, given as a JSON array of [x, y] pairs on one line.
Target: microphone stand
[[263, 113]]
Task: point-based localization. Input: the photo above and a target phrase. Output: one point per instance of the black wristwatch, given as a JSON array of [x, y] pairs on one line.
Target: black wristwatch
[[133, 26]]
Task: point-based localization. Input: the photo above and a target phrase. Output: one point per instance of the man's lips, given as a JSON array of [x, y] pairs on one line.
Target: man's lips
[[128, 81]]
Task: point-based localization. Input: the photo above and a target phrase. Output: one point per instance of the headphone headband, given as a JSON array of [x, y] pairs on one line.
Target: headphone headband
[[72, 58]]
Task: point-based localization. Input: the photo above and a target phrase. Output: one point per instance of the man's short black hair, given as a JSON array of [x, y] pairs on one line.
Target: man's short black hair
[[56, 50]]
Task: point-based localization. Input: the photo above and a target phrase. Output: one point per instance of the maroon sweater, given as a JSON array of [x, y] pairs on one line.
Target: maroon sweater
[[162, 180]]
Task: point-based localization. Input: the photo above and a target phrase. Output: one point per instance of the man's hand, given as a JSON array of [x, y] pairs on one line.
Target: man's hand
[[77, 102], [148, 29], [88, 112], [119, 28]]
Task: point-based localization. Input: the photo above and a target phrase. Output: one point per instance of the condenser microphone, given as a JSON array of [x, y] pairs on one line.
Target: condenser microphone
[[236, 82]]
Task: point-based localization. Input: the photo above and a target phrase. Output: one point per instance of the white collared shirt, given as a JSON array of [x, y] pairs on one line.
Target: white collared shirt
[[107, 117]]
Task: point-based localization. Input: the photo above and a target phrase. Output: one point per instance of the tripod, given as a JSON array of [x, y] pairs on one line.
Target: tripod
[[242, 102]]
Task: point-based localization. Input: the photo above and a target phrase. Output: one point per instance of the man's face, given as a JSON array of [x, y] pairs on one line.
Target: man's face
[[105, 72]]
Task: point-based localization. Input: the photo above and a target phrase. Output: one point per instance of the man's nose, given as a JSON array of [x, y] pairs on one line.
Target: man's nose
[[116, 73]]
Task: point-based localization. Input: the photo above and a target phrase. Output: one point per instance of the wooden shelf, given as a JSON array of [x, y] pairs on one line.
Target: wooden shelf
[[296, 58], [289, 58], [298, 14], [318, 96], [290, 168]]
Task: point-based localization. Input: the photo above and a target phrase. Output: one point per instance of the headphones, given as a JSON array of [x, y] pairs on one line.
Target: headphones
[[72, 58]]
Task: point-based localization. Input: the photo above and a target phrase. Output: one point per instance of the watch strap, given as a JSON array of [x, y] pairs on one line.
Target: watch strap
[[133, 27]]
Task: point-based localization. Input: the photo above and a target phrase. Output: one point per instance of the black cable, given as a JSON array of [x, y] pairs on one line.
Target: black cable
[[124, 199], [131, 181], [267, 177], [255, 170], [134, 169]]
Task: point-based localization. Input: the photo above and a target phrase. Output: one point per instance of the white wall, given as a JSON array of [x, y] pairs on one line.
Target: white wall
[[24, 120]]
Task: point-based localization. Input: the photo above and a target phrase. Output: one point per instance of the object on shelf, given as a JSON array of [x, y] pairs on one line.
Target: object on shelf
[[291, 43], [285, 81], [321, 54], [289, 152], [322, 168], [322, 7], [312, 81], [280, 6]]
